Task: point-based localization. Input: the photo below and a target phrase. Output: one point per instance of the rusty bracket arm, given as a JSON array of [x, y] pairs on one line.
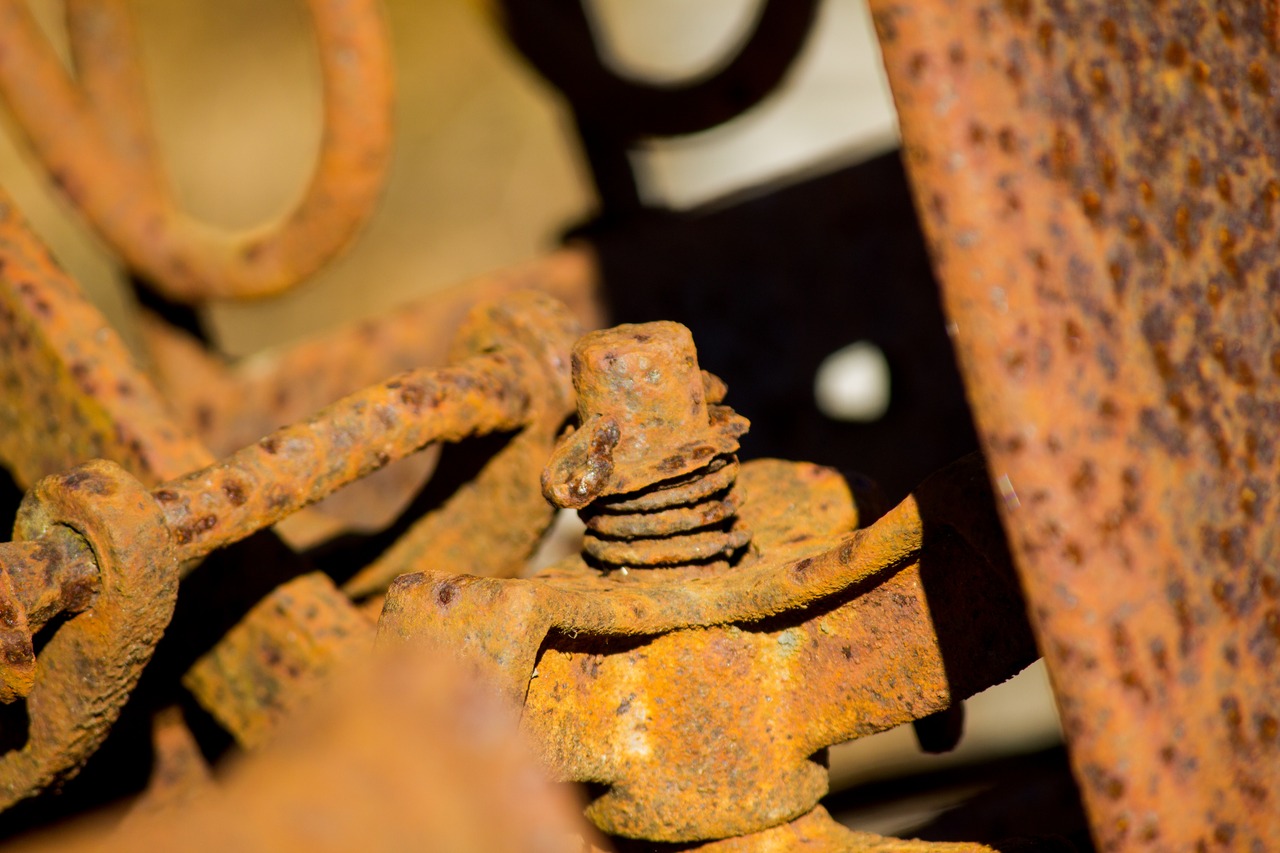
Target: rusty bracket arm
[[146, 538]]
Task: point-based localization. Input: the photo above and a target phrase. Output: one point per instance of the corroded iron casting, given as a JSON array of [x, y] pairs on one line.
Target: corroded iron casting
[[700, 700]]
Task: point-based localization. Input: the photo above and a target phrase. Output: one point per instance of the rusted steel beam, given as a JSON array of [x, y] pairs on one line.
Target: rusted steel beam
[[1099, 185], [107, 170]]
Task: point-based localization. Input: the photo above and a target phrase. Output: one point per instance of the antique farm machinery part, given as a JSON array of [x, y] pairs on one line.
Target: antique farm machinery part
[[724, 623], [1098, 186]]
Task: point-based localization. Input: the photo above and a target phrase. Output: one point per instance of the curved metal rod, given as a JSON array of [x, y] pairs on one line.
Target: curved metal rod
[[108, 68], [107, 169], [556, 37]]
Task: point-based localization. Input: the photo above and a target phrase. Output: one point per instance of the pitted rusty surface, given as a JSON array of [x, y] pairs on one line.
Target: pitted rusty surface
[[94, 139], [826, 636], [89, 666], [719, 475], [232, 405], [718, 508], [69, 390], [300, 464], [38, 580], [279, 657], [1099, 184], [667, 550], [229, 406], [649, 438], [276, 657], [643, 415], [818, 831], [461, 536]]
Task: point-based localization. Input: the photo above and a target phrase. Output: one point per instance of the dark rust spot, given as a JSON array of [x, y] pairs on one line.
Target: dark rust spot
[[1259, 81], [1195, 172], [1044, 38], [1019, 10], [1006, 140], [1073, 335], [413, 396], [1092, 204], [1084, 479], [1268, 729], [234, 492]]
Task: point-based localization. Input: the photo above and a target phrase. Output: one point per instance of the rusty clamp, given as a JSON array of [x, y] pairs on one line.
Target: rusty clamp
[[725, 623]]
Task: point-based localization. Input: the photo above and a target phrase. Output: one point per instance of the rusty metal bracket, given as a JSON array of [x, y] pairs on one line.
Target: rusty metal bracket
[[622, 658]]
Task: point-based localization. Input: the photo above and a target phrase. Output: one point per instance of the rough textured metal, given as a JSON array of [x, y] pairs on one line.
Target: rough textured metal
[[38, 580], [645, 428], [622, 679], [818, 831], [91, 663], [824, 634], [95, 142], [279, 657], [516, 373], [404, 755], [1099, 184], [643, 415], [229, 406], [300, 464], [69, 390], [461, 535]]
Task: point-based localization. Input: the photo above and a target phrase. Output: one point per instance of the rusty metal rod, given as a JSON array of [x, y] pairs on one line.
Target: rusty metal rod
[[107, 61], [52, 575], [302, 463], [106, 170], [264, 482]]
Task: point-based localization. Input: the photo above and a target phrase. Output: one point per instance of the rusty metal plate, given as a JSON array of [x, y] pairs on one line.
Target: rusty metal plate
[[1099, 185]]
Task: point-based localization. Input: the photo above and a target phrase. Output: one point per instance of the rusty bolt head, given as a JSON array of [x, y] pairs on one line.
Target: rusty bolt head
[[644, 414]]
